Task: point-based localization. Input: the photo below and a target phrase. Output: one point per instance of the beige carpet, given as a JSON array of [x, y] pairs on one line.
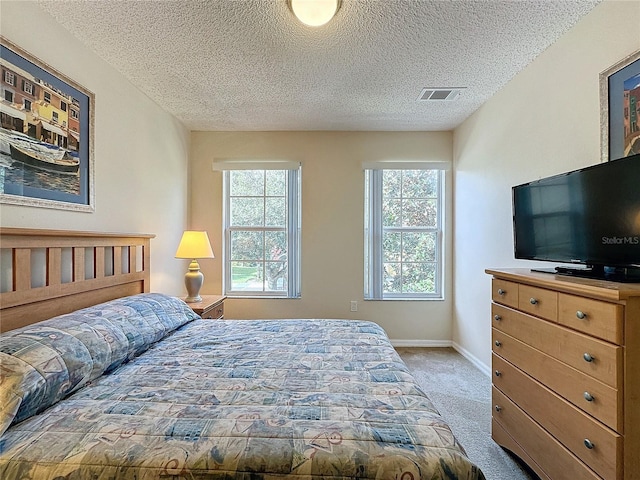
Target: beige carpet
[[462, 394]]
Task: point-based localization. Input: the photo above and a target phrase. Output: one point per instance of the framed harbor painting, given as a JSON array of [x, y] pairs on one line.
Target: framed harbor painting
[[46, 136], [620, 108]]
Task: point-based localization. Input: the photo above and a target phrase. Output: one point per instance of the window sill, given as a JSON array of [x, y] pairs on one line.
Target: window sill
[[423, 299], [260, 297]]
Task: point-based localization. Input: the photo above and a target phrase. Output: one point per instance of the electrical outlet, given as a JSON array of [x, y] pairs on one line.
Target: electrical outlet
[[354, 306]]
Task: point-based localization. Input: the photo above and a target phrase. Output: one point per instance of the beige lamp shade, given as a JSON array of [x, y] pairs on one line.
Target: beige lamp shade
[[194, 245]]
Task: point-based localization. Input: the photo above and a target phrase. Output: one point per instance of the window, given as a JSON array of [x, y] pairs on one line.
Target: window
[[10, 78], [63, 106], [27, 87], [27, 104], [47, 97], [8, 96], [74, 113], [54, 117], [403, 234], [262, 232]]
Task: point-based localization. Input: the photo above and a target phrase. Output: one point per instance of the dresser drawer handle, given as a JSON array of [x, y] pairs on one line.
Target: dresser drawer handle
[[498, 408], [497, 318], [588, 397], [498, 343], [589, 444], [501, 292], [533, 301], [588, 357], [498, 373], [581, 315]]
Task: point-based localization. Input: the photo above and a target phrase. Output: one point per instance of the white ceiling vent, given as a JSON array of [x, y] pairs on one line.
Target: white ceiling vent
[[440, 93]]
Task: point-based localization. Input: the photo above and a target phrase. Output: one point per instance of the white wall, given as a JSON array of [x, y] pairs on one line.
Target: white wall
[[141, 152], [332, 223], [545, 121]]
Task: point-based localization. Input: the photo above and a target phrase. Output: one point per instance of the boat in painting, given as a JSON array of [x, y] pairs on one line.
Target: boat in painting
[[51, 160]]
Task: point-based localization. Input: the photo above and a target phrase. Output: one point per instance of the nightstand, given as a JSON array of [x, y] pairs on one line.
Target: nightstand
[[211, 307]]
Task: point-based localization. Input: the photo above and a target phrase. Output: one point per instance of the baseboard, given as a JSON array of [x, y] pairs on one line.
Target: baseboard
[[486, 369], [444, 343], [421, 343]]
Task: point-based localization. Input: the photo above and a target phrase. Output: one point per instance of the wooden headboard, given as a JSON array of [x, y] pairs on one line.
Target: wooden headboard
[[44, 273]]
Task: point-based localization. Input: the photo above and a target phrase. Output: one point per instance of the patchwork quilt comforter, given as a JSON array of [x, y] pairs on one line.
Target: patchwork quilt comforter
[[261, 399]]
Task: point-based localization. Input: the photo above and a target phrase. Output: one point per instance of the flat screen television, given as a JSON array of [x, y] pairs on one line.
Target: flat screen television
[[587, 218]]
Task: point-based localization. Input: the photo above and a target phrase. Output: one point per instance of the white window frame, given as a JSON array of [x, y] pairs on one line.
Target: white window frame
[[292, 228], [373, 229], [10, 78]]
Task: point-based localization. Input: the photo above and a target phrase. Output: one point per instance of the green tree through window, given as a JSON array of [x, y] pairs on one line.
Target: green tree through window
[[403, 234], [262, 232]]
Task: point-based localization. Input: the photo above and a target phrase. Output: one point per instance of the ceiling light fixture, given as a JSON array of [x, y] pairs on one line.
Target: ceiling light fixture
[[314, 12]]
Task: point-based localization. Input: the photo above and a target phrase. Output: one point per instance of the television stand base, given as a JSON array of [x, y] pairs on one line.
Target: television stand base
[[545, 270], [599, 272]]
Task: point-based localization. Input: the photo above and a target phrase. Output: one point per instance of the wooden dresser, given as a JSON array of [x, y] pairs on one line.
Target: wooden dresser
[[566, 374]]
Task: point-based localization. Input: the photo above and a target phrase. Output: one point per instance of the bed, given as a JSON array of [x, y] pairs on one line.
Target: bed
[[139, 387]]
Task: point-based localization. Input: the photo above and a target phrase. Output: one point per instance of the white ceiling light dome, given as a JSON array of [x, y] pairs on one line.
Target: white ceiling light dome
[[314, 12]]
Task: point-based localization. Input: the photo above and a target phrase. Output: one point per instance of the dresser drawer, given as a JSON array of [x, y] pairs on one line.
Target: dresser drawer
[[506, 440], [553, 458], [594, 317], [504, 292], [538, 301], [214, 313], [572, 427], [596, 358], [593, 397]]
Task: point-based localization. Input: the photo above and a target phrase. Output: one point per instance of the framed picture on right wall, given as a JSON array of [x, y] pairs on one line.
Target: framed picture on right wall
[[620, 109]]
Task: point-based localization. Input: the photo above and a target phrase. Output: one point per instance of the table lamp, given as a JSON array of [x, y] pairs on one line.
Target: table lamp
[[194, 245]]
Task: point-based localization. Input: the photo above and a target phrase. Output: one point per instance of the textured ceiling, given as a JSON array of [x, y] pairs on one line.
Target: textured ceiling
[[250, 65]]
